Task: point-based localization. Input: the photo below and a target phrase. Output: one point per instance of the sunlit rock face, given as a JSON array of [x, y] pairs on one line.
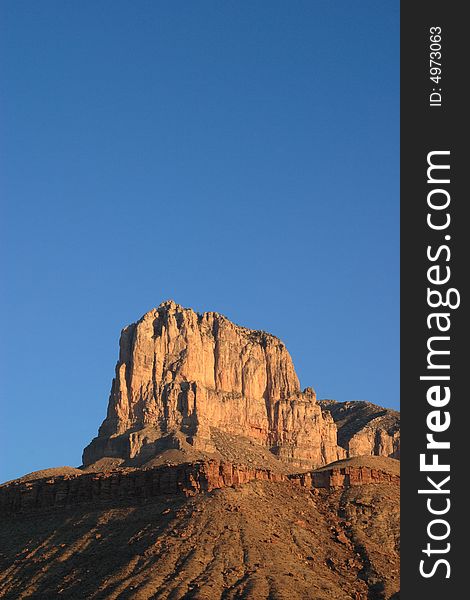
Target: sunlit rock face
[[180, 372]]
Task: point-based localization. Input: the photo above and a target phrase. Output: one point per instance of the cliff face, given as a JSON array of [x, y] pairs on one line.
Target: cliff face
[[365, 428], [129, 485], [183, 372]]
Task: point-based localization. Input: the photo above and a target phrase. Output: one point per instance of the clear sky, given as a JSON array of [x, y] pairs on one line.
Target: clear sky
[[241, 157]]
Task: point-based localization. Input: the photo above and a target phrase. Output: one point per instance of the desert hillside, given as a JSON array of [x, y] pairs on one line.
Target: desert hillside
[[259, 539]]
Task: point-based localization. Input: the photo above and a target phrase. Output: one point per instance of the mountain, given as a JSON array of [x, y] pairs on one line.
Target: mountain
[[213, 476]]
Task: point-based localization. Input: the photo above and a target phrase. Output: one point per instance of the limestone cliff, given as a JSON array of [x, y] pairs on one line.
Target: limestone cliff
[[183, 372]]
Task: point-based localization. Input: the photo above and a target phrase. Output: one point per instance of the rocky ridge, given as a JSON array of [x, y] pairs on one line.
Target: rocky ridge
[[365, 428], [134, 485]]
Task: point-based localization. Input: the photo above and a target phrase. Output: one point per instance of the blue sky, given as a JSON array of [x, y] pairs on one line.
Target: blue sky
[[241, 157]]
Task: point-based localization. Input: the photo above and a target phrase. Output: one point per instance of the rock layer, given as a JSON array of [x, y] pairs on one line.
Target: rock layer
[[345, 473], [127, 485], [130, 486], [180, 371]]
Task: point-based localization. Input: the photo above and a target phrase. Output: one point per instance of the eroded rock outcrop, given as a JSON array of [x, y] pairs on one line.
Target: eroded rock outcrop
[[180, 371], [351, 472], [365, 428]]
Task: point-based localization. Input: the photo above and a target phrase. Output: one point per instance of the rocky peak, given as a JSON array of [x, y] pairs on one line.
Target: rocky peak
[[181, 372]]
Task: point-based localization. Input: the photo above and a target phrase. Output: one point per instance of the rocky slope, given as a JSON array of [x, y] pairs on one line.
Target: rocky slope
[[365, 428], [180, 372], [257, 538]]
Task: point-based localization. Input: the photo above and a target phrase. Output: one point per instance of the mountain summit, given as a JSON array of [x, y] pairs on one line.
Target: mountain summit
[[209, 479]]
